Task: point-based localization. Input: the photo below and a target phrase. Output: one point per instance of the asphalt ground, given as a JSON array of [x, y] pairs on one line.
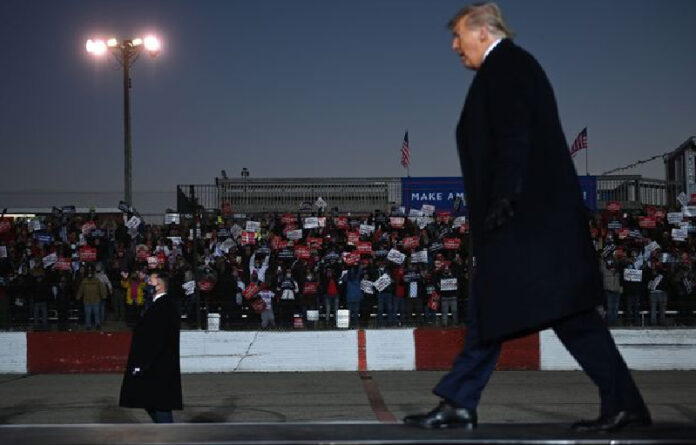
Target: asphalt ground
[[511, 396]]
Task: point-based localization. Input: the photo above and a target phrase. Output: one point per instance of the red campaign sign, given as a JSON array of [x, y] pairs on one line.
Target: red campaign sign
[[251, 290], [352, 258], [396, 222], [623, 233], [411, 242], [353, 237], [444, 216], [452, 243], [88, 227], [614, 206], [302, 252], [62, 264], [248, 238], [341, 222], [315, 242], [646, 222], [364, 247], [310, 288], [88, 254], [288, 218]]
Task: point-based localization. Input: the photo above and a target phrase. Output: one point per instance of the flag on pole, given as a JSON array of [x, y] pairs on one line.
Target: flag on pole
[[579, 143], [405, 152]]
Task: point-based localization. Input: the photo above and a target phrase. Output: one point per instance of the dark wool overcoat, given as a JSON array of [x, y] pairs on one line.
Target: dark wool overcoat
[[541, 266], [155, 350]]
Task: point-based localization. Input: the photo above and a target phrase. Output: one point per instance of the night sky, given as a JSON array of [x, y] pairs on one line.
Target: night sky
[[318, 88]]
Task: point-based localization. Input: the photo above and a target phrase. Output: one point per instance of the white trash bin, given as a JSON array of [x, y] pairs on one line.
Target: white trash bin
[[342, 318], [213, 322]]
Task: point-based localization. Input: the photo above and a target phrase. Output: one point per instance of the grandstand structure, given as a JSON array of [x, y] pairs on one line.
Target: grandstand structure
[[361, 195]]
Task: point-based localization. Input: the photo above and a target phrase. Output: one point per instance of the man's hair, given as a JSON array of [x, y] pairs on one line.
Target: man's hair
[[161, 276], [486, 14]]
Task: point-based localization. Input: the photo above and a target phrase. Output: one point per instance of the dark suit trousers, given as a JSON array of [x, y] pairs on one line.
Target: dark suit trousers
[[584, 335]]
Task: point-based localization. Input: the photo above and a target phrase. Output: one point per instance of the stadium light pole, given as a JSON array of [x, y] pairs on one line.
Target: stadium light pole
[[126, 53]]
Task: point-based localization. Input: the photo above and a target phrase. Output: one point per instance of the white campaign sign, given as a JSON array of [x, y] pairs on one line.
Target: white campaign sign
[[679, 234], [311, 222], [396, 257], [320, 203], [423, 221], [50, 260], [189, 287], [176, 240], [253, 226], [366, 287], [675, 217], [459, 221], [654, 283], [294, 234], [3, 251], [419, 257], [683, 199], [366, 229], [236, 231], [227, 245], [382, 282], [172, 218], [633, 275], [448, 284], [133, 222], [415, 213], [650, 247], [689, 211]]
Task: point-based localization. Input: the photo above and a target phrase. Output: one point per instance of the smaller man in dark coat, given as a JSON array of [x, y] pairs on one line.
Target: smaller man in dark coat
[[153, 378]]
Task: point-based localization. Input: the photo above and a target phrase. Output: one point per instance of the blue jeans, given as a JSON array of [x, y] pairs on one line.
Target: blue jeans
[[385, 302], [612, 306], [92, 310], [400, 308], [331, 306], [354, 308]]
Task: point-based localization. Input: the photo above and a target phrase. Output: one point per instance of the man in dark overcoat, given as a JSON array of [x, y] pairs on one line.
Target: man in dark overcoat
[[535, 265], [153, 378]]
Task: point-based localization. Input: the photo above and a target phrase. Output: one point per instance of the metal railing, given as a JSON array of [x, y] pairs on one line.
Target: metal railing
[[634, 191]]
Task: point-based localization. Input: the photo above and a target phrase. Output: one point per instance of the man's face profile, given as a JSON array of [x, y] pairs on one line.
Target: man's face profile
[[470, 43]]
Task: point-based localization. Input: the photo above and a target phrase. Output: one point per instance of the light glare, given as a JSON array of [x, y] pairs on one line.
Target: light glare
[[137, 42], [112, 43], [151, 43], [96, 47]]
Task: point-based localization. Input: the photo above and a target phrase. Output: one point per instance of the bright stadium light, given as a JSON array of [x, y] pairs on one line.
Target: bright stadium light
[[126, 53], [152, 44]]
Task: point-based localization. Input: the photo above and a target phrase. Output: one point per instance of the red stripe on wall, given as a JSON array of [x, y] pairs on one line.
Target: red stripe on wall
[[63, 352], [362, 353], [437, 348]]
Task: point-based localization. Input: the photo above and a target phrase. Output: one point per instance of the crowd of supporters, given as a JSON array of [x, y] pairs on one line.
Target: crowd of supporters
[[297, 270]]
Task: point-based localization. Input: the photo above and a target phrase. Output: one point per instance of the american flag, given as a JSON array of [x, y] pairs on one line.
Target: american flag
[[580, 143], [405, 152]]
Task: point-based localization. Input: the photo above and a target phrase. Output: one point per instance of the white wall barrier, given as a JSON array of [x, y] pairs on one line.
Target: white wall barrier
[[643, 349], [13, 352], [390, 350]]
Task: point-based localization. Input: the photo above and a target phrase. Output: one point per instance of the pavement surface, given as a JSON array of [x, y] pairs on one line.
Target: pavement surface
[[511, 397]]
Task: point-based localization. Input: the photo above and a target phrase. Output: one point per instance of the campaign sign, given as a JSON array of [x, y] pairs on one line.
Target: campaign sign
[[62, 264], [43, 237], [633, 275], [675, 217], [253, 226], [614, 225], [614, 206], [423, 221], [189, 287], [366, 229], [364, 247], [588, 187], [88, 254], [172, 218], [367, 286], [419, 257], [311, 222], [353, 237], [88, 227], [351, 259], [444, 216], [646, 222], [396, 222], [459, 221], [251, 290], [341, 222], [436, 247], [248, 238], [49, 260], [439, 192], [382, 282], [415, 213], [152, 262], [310, 288], [288, 218], [315, 242], [133, 222], [294, 234], [302, 252], [680, 234], [452, 243], [623, 233], [396, 257], [448, 284], [286, 254], [411, 242], [428, 209]]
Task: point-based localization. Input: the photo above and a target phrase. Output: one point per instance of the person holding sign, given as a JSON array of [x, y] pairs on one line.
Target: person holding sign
[[446, 284], [518, 174], [354, 293], [635, 285]]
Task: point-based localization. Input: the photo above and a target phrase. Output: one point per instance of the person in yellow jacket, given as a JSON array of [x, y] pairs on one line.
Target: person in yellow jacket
[[135, 296]]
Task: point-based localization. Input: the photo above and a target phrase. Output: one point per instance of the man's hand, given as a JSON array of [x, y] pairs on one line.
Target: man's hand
[[500, 214]]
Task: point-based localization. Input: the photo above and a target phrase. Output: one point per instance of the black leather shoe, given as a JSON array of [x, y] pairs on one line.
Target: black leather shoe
[[618, 421], [444, 416]]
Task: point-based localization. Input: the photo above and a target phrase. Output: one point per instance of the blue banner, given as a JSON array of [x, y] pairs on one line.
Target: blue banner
[[440, 191], [588, 186]]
